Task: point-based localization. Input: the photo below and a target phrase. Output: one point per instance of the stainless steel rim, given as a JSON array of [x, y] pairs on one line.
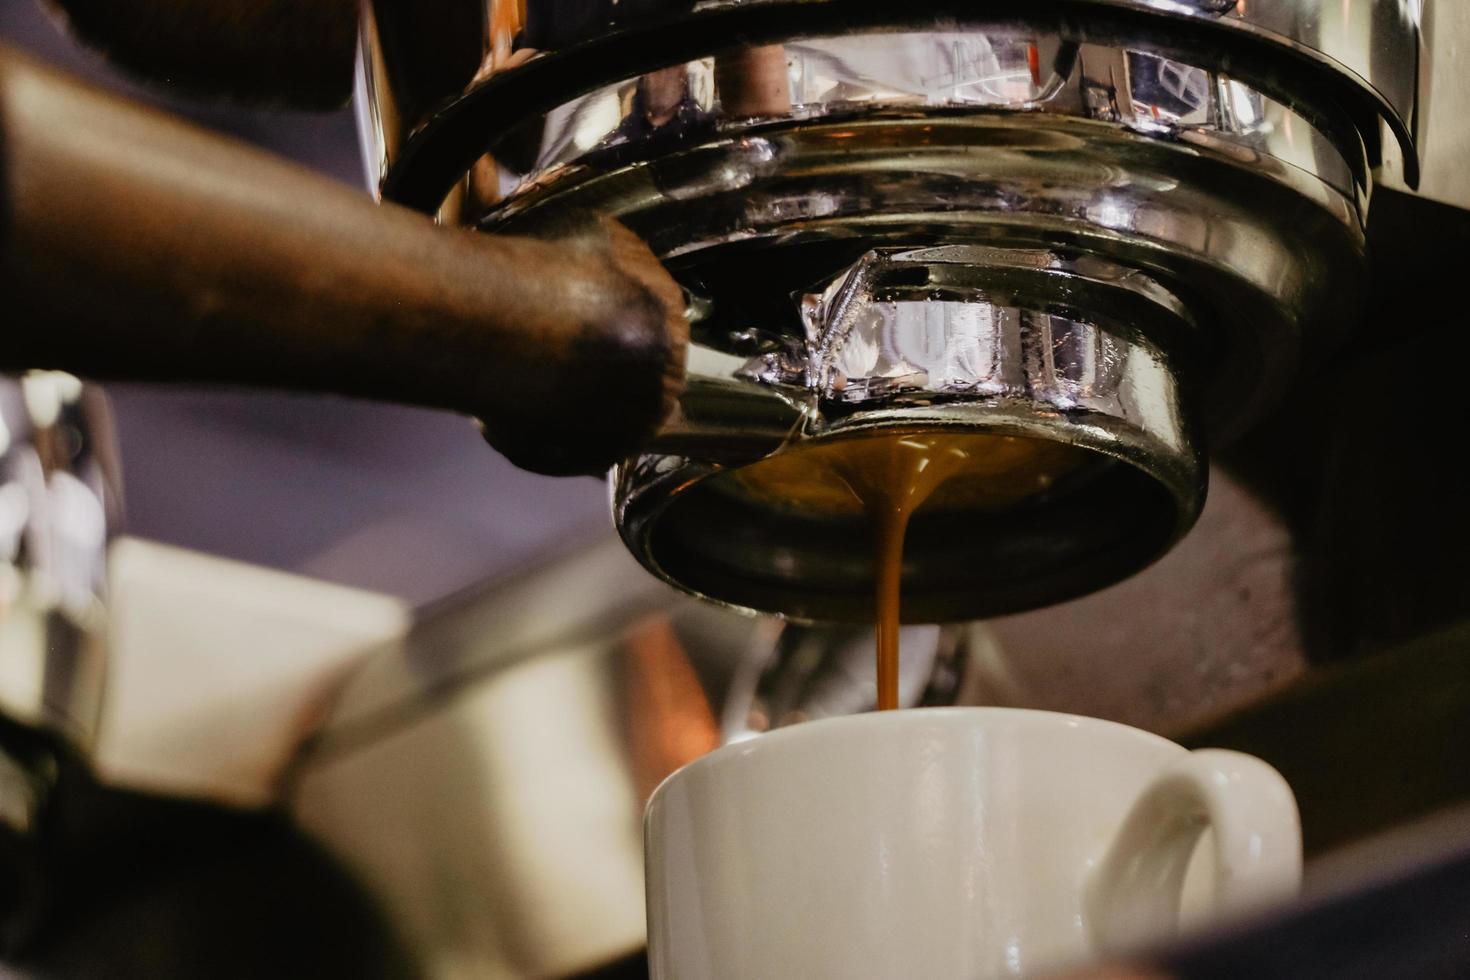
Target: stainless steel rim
[[1364, 57], [1266, 267], [1107, 388]]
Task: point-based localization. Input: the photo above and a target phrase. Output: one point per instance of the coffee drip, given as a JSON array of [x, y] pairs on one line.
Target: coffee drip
[[886, 478]]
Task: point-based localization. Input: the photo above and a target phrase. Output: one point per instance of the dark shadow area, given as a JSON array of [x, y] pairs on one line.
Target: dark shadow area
[[1364, 464], [1364, 461], [1410, 927], [123, 884], [1368, 745], [634, 967]]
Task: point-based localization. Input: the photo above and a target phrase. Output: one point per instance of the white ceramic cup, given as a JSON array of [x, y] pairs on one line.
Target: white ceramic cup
[[955, 843]]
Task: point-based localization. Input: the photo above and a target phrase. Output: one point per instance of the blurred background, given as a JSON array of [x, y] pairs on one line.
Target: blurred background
[[401, 501]]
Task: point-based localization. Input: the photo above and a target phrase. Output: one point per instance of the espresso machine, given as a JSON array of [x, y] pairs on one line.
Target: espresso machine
[[1177, 243], [1118, 234], [1126, 228]]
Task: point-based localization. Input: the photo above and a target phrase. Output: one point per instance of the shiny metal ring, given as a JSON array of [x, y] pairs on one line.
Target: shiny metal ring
[[992, 346], [1312, 55], [924, 74]]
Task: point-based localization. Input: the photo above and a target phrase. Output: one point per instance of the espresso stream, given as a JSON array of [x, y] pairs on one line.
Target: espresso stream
[[889, 477]]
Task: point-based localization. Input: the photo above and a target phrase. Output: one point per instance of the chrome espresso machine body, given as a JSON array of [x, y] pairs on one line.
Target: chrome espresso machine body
[[1123, 225]]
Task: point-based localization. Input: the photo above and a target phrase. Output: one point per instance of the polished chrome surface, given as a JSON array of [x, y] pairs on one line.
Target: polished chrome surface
[[863, 74], [1210, 264], [58, 504], [380, 125], [963, 338], [1377, 41], [1232, 264], [1370, 46], [1443, 119], [1171, 196], [1264, 261], [891, 136], [950, 322]]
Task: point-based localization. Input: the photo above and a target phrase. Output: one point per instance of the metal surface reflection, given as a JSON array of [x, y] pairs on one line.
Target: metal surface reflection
[[1368, 49], [58, 504], [1121, 226], [803, 81], [963, 339]]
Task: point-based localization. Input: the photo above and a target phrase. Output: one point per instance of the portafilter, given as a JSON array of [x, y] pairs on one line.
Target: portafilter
[[1121, 227]]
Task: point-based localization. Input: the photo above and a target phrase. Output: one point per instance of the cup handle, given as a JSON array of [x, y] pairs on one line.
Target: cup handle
[[1134, 895]]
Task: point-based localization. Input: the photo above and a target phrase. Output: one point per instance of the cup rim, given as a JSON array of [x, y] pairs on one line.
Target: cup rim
[[780, 736]]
